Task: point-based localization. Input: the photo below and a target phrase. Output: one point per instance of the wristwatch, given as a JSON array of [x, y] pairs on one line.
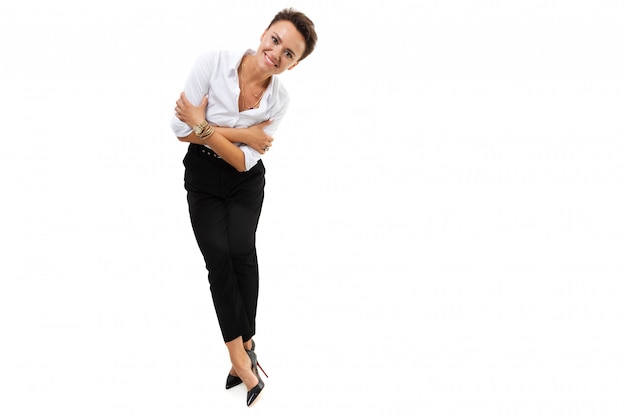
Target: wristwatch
[[198, 129]]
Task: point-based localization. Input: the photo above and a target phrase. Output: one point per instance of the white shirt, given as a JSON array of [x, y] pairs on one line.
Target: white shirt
[[215, 74]]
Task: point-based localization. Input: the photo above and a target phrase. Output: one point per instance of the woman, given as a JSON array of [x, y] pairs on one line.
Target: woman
[[231, 105]]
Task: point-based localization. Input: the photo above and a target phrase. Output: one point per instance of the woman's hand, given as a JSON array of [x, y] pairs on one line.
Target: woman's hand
[[190, 114], [253, 136], [258, 139]]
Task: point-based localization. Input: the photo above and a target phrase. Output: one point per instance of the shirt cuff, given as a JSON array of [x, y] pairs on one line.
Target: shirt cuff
[[251, 156]]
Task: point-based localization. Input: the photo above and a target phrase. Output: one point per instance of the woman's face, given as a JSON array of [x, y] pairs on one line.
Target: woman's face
[[281, 47]]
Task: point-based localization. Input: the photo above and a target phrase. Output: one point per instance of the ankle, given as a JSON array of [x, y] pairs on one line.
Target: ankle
[[244, 372]]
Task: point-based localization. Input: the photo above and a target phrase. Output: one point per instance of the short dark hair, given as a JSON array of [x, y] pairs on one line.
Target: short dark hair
[[304, 25]]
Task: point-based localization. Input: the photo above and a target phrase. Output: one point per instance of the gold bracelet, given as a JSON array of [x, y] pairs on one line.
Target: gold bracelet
[[207, 132], [199, 128]]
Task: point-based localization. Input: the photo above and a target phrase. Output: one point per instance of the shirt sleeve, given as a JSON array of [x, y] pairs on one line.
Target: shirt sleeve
[[196, 87]]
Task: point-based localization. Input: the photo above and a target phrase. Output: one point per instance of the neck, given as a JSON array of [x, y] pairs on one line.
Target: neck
[[251, 72]]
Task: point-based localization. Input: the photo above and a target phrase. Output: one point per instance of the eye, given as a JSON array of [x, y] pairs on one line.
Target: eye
[[288, 54], [274, 40]]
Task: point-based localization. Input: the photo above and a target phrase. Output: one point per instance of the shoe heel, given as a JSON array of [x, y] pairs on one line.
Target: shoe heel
[[262, 370]]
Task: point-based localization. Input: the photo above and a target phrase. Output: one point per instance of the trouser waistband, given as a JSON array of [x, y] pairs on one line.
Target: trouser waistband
[[203, 150]]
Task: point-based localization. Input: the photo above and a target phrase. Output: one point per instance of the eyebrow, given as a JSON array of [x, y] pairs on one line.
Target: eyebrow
[[281, 41]]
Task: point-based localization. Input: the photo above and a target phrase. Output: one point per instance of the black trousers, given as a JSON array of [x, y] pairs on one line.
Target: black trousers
[[225, 206]]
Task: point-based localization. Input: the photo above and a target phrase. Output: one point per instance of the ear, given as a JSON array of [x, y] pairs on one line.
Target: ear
[[293, 66]]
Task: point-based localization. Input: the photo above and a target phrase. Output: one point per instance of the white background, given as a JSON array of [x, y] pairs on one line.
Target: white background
[[443, 234]]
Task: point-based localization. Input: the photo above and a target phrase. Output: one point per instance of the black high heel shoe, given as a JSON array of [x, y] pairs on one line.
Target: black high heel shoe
[[232, 380], [255, 392]]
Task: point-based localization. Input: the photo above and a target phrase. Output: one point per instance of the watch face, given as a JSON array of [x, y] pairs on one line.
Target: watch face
[[199, 128]]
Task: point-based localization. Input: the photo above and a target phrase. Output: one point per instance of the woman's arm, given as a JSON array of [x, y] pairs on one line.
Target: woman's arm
[[221, 146], [253, 136]]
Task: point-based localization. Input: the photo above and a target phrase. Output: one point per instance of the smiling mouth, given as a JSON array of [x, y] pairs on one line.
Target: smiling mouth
[[270, 60]]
